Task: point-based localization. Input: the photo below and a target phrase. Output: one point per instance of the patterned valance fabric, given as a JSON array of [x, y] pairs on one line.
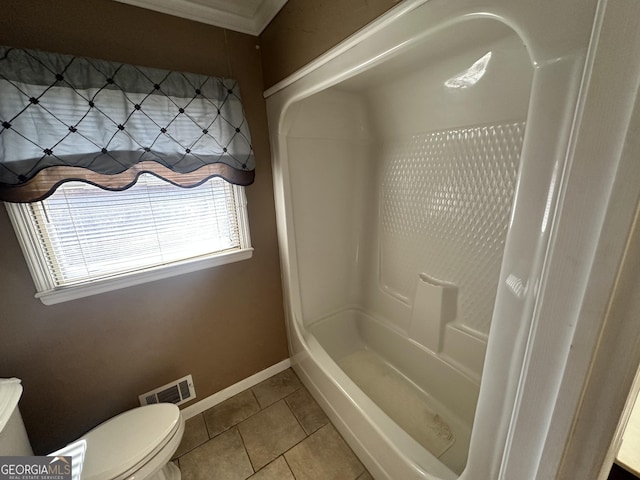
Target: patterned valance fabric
[[73, 118]]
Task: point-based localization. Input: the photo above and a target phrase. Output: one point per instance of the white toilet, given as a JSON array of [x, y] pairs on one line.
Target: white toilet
[[134, 445]]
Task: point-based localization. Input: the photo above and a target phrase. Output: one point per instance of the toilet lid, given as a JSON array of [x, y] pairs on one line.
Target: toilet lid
[[128, 439]]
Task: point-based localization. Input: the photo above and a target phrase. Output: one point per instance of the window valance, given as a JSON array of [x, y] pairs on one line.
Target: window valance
[[66, 118]]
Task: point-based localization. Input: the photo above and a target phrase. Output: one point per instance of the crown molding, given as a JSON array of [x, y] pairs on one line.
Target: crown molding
[[249, 16]]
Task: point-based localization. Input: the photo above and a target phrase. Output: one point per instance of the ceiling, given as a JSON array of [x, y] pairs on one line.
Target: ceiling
[[246, 16]]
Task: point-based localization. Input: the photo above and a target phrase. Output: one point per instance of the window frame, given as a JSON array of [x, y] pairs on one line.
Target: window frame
[[50, 295]]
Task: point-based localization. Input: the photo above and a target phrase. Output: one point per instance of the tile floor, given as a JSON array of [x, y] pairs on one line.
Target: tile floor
[[272, 431]]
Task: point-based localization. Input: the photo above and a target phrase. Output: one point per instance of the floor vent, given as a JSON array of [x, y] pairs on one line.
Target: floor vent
[[178, 392]]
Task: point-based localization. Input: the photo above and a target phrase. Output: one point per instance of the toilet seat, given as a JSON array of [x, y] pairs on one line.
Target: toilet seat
[[121, 446]]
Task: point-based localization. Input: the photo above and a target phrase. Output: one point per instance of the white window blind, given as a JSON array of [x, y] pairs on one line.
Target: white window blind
[[83, 234]]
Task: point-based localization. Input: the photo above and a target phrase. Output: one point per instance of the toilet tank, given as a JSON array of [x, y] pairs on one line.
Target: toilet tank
[[13, 435]]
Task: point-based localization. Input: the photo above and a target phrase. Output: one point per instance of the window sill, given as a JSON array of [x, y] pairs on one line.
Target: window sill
[[73, 292]]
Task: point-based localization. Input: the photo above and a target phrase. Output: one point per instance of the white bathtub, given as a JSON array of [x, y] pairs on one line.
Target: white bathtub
[[407, 379], [416, 171]]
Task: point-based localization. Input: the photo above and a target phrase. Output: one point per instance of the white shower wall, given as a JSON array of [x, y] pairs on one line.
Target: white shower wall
[[332, 145], [395, 175]]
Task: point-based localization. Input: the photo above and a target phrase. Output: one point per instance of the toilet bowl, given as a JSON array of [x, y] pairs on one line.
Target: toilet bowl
[[135, 445]]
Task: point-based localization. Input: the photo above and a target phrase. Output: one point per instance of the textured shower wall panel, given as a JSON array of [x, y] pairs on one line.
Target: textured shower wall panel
[[445, 204]]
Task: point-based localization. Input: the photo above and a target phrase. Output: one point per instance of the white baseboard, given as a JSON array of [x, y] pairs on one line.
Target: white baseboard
[[222, 395]]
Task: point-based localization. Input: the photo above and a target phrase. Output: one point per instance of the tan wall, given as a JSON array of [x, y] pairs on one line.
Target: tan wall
[[304, 29], [83, 361]]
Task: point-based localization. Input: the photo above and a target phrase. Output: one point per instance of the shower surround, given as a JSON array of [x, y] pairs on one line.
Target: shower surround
[[416, 170]]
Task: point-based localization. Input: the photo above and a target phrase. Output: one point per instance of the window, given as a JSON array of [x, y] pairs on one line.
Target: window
[[84, 240], [75, 133]]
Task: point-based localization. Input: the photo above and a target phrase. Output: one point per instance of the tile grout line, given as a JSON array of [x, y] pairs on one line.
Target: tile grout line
[[298, 443], [206, 426], [253, 394], [245, 450], [260, 409], [358, 475], [308, 435], [284, 399], [295, 416], [195, 446], [289, 466]]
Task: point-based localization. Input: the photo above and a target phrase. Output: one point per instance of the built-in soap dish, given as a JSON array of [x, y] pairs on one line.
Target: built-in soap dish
[[434, 305]]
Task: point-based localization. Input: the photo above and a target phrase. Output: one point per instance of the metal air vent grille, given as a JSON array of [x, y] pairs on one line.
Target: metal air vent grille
[[178, 392]]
